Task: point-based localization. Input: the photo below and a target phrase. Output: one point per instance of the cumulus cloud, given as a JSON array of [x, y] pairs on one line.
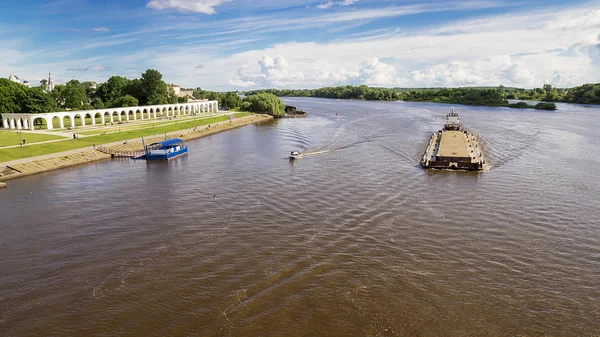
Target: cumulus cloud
[[377, 73], [332, 3], [200, 66], [558, 47], [451, 74], [589, 20], [273, 71], [518, 74], [196, 6], [276, 72], [88, 69], [101, 29]]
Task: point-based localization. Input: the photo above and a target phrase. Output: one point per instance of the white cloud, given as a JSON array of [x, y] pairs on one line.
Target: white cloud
[[581, 21], [277, 72], [101, 29], [273, 71], [331, 3], [480, 51], [196, 6], [525, 49], [518, 74]]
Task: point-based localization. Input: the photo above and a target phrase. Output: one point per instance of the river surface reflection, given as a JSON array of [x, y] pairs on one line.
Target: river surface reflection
[[354, 240]]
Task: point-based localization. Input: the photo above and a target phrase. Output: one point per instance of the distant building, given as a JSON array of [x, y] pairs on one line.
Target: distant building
[[181, 92], [184, 93], [14, 78], [176, 89], [49, 83]]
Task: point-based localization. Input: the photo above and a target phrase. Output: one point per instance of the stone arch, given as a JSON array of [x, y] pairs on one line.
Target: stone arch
[[122, 114], [130, 114], [56, 121], [91, 116], [81, 118], [106, 115], [98, 118], [39, 122], [141, 114], [115, 116], [170, 111], [66, 121]]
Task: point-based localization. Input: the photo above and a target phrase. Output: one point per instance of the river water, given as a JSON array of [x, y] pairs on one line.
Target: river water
[[353, 240]]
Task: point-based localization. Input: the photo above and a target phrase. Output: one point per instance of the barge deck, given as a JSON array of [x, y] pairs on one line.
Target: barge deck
[[453, 148]]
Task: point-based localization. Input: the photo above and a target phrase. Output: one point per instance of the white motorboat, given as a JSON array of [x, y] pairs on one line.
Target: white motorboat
[[294, 154]]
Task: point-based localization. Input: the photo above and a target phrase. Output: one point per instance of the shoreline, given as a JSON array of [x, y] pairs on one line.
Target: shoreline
[[29, 166]]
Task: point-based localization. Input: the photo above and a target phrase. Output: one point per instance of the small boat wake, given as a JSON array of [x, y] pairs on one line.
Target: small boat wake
[[314, 152]]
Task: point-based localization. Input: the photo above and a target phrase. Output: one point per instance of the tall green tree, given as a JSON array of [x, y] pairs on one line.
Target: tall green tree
[[153, 90], [11, 95], [37, 100], [74, 96], [126, 101], [172, 97], [58, 94], [113, 89], [265, 103], [231, 100]]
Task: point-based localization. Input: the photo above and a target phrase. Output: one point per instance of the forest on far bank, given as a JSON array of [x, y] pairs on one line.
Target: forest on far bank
[[584, 94]]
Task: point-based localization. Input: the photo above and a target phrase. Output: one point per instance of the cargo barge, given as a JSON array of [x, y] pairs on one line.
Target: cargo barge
[[453, 148]]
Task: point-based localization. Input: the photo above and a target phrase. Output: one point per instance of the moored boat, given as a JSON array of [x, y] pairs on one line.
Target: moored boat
[[165, 150]]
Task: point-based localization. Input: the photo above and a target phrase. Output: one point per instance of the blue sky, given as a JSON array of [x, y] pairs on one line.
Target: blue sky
[[248, 44]]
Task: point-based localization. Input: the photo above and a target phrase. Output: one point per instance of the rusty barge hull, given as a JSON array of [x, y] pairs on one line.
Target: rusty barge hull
[[453, 148]]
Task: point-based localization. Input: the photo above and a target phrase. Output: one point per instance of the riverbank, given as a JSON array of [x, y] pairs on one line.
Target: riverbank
[[34, 165]]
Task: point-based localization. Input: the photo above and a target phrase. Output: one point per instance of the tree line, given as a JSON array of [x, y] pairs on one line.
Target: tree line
[[340, 92], [584, 94], [120, 91], [117, 91]]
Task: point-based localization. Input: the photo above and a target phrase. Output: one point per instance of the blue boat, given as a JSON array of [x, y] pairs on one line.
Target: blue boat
[[165, 150]]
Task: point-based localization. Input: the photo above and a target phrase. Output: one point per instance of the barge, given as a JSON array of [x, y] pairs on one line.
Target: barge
[[453, 148]]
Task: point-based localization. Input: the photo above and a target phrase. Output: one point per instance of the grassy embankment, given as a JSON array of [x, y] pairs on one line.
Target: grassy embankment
[[72, 144], [12, 138]]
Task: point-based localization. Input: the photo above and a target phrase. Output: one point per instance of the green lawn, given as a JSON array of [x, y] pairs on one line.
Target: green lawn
[[42, 149], [128, 126], [13, 138]]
